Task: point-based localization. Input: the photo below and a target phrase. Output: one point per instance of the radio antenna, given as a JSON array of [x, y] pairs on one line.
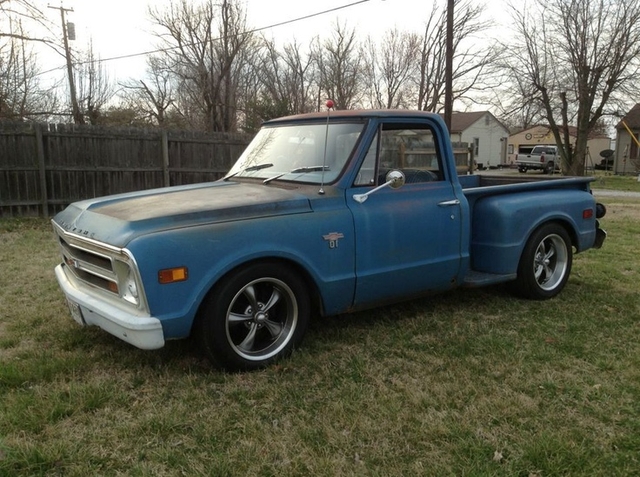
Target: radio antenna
[[326, 138]]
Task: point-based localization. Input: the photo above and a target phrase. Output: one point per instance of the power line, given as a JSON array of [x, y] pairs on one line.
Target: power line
[[255, 30]]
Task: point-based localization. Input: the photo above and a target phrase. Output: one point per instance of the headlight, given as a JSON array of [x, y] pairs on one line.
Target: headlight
[[130, 291], [127, 284]]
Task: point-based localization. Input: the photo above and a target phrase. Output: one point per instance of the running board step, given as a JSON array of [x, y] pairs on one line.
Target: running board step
[[480, 279]]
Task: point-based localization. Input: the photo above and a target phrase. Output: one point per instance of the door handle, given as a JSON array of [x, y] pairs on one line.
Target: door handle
[[449, 203]]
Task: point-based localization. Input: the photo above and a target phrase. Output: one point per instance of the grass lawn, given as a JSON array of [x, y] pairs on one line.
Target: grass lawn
[[472, 382], [606, 180]]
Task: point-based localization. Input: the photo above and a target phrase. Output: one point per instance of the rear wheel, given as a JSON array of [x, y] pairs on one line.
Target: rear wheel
[[522, 169], [545, 263], [255, 317], [549, 168]]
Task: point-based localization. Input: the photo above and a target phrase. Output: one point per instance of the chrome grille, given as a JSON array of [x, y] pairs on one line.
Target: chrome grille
[[88, 265]]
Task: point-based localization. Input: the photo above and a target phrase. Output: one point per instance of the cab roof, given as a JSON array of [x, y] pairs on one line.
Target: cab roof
[[355, 114]]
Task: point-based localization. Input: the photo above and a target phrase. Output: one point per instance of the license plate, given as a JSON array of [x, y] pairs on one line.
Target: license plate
[[76, 312]]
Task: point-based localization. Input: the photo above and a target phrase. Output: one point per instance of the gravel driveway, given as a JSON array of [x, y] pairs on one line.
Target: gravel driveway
[[615, 193]]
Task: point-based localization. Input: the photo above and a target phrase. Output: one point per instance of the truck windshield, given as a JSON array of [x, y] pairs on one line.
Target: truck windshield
[[297, 152]]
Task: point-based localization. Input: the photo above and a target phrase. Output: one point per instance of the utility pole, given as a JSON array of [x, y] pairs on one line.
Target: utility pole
[[78, 118], [448, 85]]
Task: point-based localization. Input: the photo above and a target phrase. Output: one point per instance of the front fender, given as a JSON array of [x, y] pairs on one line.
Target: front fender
[[211, 251]]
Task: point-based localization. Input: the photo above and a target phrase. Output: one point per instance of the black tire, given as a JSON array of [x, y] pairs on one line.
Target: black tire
[[549, 168], [545, 263], [522, 169], [255, 317]]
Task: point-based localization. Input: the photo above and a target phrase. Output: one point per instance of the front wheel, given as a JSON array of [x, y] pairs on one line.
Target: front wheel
[[545, 263], [255, 317]]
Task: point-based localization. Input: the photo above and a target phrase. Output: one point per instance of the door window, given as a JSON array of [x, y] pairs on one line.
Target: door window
[[408, 148]]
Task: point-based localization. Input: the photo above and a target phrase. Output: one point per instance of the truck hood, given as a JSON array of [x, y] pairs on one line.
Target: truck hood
[[118, 219]]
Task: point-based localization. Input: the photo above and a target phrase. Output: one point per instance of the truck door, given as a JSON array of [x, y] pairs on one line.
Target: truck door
[[408, 240]]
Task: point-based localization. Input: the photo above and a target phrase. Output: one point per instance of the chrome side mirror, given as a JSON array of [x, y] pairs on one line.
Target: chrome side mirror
[[394, 179]]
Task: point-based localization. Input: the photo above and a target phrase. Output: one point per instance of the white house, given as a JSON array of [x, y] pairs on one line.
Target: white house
[[482, 131]]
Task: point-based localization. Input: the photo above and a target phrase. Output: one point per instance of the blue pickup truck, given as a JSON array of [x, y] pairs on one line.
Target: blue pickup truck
[[324, 213]]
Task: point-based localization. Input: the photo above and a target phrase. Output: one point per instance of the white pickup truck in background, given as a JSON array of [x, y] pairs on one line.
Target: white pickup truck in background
[[544, 158]]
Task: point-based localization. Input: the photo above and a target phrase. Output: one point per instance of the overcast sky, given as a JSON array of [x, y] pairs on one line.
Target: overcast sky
[[121, 27]]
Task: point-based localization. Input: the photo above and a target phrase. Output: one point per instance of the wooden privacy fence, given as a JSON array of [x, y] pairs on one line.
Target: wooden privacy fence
[[45, 167]]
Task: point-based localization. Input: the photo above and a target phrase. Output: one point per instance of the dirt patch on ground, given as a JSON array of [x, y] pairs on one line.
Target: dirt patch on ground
[[622, 210]]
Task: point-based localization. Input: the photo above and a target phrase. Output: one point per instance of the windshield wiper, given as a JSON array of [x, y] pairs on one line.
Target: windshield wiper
[[257, 167], [298, 170]]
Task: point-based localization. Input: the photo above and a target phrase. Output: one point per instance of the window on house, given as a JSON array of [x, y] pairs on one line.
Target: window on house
[[476, 146]]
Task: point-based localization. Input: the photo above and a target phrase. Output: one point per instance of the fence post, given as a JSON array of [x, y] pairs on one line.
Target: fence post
[[165, 159], [42, 169]]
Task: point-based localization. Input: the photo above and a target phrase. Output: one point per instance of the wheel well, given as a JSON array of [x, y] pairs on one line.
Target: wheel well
[[314, 294], [565, 225]]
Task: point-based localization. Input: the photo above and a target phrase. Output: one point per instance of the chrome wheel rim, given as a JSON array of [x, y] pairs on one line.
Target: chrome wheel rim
[[550, 262], [261, 319]]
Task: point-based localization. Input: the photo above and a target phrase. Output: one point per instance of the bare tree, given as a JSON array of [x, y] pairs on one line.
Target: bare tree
[[23, 13], [390, 65], [340, 68], [205, 46], [302, 77], [95, 89], [470, 61], [153, 96], [275, 86], [575, 57], [21, 95], [284, 82], [514, 98]]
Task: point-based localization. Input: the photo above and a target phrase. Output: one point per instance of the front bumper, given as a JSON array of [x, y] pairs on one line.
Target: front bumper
[[141, 331]]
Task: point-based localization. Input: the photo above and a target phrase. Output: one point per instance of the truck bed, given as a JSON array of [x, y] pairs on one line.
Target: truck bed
[[478, 185], [503, 212]]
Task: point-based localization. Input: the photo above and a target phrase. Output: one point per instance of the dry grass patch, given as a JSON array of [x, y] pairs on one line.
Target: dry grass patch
[[618, 208], [606, 180], [473, 382]]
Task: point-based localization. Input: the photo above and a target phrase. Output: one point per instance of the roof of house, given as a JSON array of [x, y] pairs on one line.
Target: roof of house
[[632, 118], [462, 121]]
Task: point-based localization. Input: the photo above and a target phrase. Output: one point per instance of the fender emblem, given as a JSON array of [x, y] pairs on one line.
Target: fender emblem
[[333, 238]]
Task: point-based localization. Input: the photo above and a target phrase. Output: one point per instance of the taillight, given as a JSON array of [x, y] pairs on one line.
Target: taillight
[[542, 157]]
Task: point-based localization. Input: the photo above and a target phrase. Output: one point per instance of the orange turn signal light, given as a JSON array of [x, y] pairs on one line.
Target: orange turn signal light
[[587, 213], [172, 275]]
